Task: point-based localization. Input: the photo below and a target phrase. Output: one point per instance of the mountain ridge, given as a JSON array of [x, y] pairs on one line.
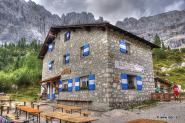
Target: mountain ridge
[[20, 19], [170, 26]]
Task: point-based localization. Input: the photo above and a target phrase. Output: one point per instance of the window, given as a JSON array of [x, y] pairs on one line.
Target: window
[[131, 81], [65, 85], [84, 50], [50, 65], [51, 47], [66, 58], [84, 83], [67, 36], [124, 47], [81, 52], [127, 48]]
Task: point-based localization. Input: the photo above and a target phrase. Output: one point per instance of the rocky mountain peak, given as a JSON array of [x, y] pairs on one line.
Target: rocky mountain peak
[[78, 18], [20, 19], [170, 26]]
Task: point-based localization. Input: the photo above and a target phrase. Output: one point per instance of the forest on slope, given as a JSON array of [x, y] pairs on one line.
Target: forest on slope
[[169, 64], [20, 67]]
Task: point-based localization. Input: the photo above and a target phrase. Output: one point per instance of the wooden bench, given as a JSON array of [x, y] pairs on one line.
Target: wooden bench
[[5, 99], [87, 102], [38, 104], [15, 118], [85, 113], [24, 101], [69, 109], [70, 118], [3, 107], [29, 112], [12, 116]]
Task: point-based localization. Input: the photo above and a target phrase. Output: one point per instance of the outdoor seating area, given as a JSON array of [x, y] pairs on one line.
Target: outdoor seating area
[[161, 96], [23, 111], [72, 118], [166, 96]]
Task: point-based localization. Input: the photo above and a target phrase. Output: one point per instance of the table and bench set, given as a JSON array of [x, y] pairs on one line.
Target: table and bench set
[[68, 114]]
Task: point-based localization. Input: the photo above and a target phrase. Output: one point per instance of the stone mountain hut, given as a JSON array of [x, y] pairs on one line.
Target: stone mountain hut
[[97, 65]]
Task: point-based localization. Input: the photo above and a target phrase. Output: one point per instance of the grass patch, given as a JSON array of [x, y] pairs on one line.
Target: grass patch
[[172, 57], [29, 93], [144, 104]]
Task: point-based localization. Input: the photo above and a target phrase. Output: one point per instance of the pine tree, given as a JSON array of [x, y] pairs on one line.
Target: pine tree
[[157, 40], [163, 46]]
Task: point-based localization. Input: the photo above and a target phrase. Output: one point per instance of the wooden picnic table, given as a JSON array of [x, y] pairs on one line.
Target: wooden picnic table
[[29, 111], [24, 101], [16, 119], [2, 106], [71, 118], [6, 99], [38, 104], [67, 108]]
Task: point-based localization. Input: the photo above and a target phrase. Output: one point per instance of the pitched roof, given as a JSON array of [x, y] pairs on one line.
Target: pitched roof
[[56, 29]]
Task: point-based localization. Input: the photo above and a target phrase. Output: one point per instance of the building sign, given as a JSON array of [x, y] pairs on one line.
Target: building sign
[[66, 71], [129, 66]]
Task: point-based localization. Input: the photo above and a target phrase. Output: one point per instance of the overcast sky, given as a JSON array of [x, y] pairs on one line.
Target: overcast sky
[[113, 10]]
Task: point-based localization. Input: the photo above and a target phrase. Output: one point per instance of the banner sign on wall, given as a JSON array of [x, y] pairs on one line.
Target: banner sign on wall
[[129, 66]]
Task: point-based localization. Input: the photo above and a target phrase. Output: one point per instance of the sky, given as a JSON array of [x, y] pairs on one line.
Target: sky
[[113, 10]]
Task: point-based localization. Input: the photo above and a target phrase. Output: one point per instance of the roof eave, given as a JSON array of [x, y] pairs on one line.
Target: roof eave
[[58, 28]]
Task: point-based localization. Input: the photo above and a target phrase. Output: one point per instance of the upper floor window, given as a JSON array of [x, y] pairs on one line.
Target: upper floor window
[[85, 50], [67, 36], [51, 46], [50, 65], [66, 58], [124, 47]]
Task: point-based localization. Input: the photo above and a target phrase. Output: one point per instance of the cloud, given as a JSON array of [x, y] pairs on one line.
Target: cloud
[[175, 6], [63, 6], [113, 10]]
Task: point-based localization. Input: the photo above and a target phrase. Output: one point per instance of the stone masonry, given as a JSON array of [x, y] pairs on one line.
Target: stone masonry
[[104, 52]]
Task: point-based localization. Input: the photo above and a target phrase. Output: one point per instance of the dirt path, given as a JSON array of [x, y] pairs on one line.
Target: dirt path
[[172, 112]]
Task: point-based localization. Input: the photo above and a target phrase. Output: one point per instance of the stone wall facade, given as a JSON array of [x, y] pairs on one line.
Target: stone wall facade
[[104, 51], [141, 55]]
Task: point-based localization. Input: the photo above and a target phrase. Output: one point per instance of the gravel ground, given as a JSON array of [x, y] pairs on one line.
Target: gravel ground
[[172, 112]]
